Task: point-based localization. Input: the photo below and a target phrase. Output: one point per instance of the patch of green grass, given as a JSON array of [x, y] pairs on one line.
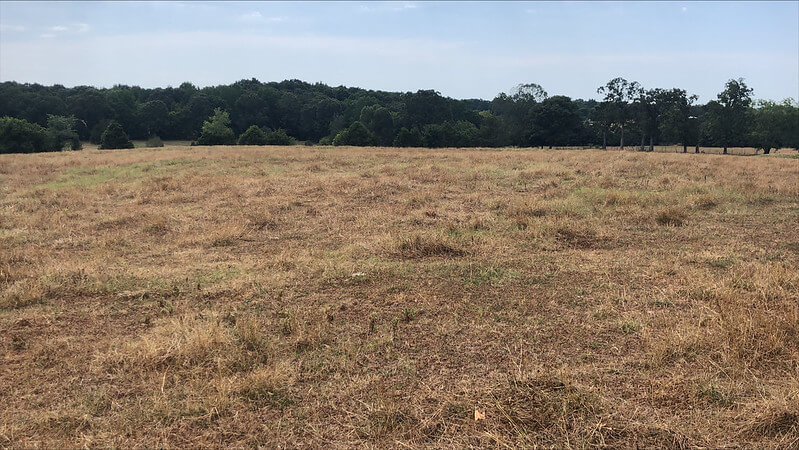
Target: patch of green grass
[[82, 177], [713, 394], [219, 274], [721, 263], [630, 327]]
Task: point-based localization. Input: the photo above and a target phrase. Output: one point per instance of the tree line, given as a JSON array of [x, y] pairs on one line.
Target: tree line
[[49, 118]]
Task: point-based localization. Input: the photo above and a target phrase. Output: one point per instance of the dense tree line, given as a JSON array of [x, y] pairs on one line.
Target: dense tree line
[[45, 118]]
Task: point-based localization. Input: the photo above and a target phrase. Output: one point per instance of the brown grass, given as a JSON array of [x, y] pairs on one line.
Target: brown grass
[[348, 297]]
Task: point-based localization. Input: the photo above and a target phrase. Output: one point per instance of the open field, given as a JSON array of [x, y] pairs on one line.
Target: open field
[[314, 297], [745, 151]]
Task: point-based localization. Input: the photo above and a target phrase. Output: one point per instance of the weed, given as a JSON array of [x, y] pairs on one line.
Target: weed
[[408, 314]]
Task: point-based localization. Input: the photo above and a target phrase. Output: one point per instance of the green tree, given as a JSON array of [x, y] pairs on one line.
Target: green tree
[[465, 134], [21, 136], [216, 130], [556, 121], [279, 137], [729, 115], [122, 104], [253, 136], [676, 123], [355, 134], [529, 93], [153, 117], [618, 94], [517, 112], [379, 121], [601, 118], [491, 131], [775, 125], [114, 137], [409, 138], [647, 112], [62, 131]]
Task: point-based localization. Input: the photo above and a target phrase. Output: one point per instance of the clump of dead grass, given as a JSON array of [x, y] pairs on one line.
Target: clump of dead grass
[[424, 246], [548, 408], [21, 293], [576, 236], [777, 422], [191, 343], [674, 216], [267, 387]]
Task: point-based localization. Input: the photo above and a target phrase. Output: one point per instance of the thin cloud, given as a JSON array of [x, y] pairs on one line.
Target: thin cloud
[[16, 28], [257, 17], [72, 28], [389, 6]]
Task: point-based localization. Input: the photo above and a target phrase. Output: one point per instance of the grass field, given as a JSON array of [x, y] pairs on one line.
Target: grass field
[[315, 297]]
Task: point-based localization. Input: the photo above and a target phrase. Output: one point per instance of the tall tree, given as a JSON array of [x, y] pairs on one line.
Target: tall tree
[[676, 123], [153, 117], [557, 121], [618, 94], [775, 125], [647, 109], [600, 119], [216, 130], [729, 124], [62, 131], [379, 121]]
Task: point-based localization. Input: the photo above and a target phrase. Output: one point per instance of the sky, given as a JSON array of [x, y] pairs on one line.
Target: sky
[[461, 49]]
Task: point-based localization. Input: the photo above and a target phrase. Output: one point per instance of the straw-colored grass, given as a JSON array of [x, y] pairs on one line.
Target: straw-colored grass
[[347, 297]]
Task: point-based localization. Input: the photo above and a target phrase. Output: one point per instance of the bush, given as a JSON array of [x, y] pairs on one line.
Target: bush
[[97, 131], [21, 136], [62, 131], [114, 137], [253, 136], [154, 141], [279, 137], [216, 130], [409, 138], [356, 134]]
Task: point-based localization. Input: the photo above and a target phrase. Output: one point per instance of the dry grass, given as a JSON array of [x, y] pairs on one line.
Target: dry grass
[[342, 297]]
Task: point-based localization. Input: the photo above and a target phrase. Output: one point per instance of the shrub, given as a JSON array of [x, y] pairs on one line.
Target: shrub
[[21, 136], [114, 137], [97, 131], [62, 131], [75, 144], [279, 137], [216, 130], [155, 141], [253, 136], [409, 138], [356, 134]]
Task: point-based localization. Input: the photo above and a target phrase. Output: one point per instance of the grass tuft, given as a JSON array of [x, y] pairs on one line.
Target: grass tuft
[[675, 217], [423, 246]]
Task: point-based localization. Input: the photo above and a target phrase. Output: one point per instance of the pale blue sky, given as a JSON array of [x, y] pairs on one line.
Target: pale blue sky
[[462, 49]]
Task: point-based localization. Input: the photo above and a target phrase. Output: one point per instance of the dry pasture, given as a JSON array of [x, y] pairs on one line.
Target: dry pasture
[[377, 297]]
